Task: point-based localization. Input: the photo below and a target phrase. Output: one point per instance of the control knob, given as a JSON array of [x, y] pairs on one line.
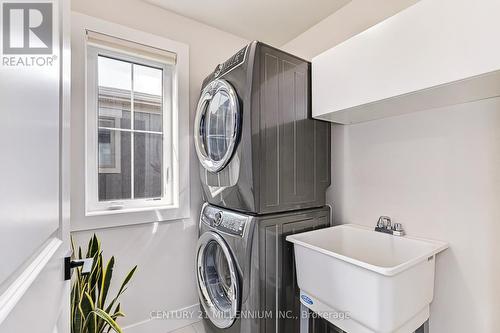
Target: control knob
[[218, 218], [218, 70]]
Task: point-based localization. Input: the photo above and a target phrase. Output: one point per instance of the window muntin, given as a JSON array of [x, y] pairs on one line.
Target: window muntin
[[133, 103]]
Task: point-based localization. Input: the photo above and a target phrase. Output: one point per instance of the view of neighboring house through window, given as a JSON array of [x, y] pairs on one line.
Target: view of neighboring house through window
[[133, 106], [130, 152]]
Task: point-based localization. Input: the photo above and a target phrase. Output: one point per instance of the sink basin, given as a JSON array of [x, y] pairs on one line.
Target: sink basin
[[364, 281]]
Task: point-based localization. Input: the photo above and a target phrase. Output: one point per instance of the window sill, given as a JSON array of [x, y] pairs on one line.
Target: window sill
[[130, 217], [130, 210]]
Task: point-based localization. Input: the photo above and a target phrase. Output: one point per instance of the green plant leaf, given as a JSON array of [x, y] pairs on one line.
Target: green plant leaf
[[76, 320], [94, 246], [90, 292], [89, 247], [117, 313], [107, 318], [95, 275], [122, 288], [127, 279], [106, 280], [88, 308], [76, 314], [79, 320]]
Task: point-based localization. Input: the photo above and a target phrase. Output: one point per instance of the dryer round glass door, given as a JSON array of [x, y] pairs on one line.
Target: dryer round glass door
[[217, 125], [218, 283]]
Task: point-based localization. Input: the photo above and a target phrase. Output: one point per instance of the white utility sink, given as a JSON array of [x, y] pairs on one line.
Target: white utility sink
[[364, 281]]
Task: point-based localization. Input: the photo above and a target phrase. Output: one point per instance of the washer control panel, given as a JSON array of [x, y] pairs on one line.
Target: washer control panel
[[225, 221]]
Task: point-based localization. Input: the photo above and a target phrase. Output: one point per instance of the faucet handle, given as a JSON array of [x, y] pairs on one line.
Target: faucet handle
[[398, 230], [388, 225], [384, 222]]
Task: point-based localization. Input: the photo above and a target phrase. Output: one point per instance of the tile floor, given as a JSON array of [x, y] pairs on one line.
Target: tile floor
[[194, 328]]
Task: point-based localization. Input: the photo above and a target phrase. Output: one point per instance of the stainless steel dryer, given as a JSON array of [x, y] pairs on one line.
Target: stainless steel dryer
[[259, 150], [245, 270]]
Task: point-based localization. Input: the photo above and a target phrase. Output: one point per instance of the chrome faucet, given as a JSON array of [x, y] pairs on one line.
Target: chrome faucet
[[384, 224]]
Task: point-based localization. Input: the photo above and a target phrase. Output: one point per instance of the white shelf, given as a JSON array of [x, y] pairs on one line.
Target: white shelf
[[433, 54]]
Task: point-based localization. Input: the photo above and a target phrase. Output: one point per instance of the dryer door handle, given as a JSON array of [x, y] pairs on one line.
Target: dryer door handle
[[200, 274]]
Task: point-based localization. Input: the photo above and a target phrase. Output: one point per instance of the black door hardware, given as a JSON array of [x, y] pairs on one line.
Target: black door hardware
[[69, 264]]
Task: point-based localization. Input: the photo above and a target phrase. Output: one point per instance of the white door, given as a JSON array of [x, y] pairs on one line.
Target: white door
[[34, 187]]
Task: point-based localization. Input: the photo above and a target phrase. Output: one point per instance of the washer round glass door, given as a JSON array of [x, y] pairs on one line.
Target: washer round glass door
[[218, 284], [217, 125]]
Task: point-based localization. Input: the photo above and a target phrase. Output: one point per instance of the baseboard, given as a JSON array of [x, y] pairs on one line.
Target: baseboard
[[160, 323]]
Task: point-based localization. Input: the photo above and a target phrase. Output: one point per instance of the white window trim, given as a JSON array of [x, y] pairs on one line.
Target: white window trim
[[180, 207]]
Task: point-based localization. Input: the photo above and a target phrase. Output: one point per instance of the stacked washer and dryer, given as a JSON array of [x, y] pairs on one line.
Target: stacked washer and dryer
[[264, 168]]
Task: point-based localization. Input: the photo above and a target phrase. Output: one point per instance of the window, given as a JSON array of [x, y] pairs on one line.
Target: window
[[131, 122]]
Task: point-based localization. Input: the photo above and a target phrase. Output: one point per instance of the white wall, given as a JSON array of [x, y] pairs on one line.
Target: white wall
[[435, 171], [164, 251], [353, 18]]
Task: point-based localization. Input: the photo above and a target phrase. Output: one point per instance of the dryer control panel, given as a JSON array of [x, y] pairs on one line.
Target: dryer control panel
[[224, 221], [231, 63]]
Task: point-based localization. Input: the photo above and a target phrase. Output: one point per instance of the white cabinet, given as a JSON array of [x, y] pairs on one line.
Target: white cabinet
[[433, 54]]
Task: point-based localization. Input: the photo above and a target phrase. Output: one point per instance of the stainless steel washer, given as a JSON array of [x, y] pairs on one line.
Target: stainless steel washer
[[225, 237], [245, 269]]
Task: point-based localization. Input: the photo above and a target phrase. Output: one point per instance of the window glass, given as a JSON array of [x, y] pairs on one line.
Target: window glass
[[148, 102], [114, 92], [148, 156], [130, 154], [114, 165], [134, 127]]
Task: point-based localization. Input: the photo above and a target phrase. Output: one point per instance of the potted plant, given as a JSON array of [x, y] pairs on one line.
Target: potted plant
[[92, 309]]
